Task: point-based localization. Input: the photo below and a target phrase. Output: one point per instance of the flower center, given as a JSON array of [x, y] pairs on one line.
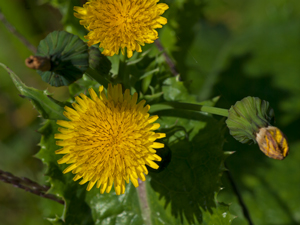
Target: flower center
[[116, 139], [123, 21]]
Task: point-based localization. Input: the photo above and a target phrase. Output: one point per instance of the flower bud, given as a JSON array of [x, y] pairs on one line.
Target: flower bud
[[67, 58], [247, 116], [250, 120], [272, 142], [38, 63]]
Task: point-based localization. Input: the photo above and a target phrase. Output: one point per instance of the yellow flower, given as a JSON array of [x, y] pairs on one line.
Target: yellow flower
[[109, 139], [272, 142], [121, 23]]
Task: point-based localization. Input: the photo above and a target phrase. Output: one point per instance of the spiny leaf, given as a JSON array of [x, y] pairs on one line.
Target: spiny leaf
[[188, 186], [48, 108]]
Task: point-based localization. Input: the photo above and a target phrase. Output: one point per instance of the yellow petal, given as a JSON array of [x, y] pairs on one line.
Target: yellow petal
[[152, 164], [64, 123], [90, 185], [157, 145]]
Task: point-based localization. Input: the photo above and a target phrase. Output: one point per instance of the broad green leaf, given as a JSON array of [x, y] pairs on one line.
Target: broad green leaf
[[187, 187], [44, 104]]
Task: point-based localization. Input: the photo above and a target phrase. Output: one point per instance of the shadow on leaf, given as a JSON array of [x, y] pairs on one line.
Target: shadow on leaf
[[192, 178]]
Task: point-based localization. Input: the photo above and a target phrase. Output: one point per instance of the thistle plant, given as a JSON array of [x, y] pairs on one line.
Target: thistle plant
[[131, 128]]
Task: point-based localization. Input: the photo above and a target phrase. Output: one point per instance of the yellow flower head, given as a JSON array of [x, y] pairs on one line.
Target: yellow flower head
[[121, 23], [272, 142], [109, 139]]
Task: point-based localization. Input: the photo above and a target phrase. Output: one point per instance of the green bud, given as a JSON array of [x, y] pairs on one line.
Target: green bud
[[247, 116], [67, 55]]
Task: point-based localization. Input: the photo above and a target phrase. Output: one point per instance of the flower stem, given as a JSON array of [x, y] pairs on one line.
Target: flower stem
[[239, 196], [123, 76], [169, 61], [188, 106], [142, 194]]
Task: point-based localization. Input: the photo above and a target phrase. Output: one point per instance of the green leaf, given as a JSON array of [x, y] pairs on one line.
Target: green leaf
[[219, 215], [44, 104], [179, 98], [175, 90], [68, 55], [82, 85], [144, 71], [98, 61], [187, 187]]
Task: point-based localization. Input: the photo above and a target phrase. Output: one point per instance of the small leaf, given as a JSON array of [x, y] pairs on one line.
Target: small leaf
[[82, 85], [174, 89], [45, 105], [150, 98], [68, 55]]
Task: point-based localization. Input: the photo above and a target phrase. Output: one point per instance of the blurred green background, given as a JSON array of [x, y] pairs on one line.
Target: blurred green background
[[227, 48]]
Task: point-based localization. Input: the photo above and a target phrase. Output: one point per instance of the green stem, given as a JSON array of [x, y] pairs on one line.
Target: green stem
[[123, 76], [188, 106], [144, 203]]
